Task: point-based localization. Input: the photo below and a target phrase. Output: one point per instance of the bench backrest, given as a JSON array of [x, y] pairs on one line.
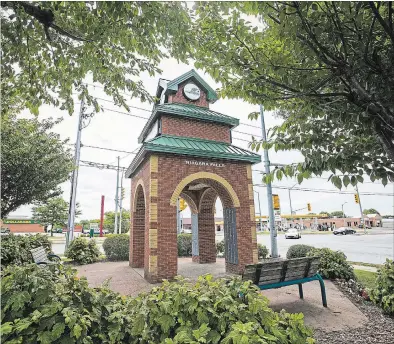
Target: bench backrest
[[280, 270], [39, 255]]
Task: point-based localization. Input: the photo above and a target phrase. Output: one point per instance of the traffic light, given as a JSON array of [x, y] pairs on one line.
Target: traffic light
[[182, 204], [276, 202], [356, 199], [309, 207], [122, 193]]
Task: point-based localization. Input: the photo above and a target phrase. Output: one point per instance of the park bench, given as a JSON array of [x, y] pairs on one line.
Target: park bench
[[41, 257], [277, 273]]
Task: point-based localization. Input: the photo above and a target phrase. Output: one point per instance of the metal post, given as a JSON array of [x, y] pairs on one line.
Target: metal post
[[273, 233], [361, 211], [343, 214], [116, 199], [120, 202], [102, 216], [258, 199], [73, 196], [291, 208]]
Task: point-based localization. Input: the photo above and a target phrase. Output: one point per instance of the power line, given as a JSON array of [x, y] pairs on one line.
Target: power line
[[108, 149], [100, 165], [326, 191]]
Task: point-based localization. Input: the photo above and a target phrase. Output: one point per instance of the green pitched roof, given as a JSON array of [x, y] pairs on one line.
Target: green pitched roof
[[174, 84], [189, 146], [189, 111]]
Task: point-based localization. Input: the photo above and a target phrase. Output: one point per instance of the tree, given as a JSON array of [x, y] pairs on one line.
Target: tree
[[327, 68], [109, 221], [53, 212], [49, 49], [338, 213], [370, 211], [33, 162]]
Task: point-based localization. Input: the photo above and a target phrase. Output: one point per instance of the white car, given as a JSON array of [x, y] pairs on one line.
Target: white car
[[293, 233]]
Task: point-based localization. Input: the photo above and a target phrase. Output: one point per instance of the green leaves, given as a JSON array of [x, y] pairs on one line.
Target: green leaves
[[382, 293], [83, 251]]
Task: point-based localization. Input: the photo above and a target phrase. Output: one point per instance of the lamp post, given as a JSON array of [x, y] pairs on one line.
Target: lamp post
[[258, 198], [291, 208], [343, 215]]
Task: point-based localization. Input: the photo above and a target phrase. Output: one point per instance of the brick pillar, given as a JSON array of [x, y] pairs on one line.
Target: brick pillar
[[137, 240], [206, 228]]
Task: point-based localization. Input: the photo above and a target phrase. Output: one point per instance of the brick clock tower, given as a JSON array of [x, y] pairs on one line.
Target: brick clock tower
[[187, 153]]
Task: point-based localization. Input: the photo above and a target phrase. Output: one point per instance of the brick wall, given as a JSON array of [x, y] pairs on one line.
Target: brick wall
[[179, 97], [24, 228], [191, 128]]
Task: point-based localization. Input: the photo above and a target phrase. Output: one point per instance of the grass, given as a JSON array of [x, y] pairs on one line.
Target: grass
[[378, 266], [366, 278]]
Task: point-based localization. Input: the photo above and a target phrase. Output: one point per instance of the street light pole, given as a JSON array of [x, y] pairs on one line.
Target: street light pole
[[343, 215], [361, 211], [291, 208], [273, 233], [258, 198]]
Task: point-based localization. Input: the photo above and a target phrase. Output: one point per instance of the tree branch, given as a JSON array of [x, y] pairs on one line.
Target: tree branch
[[381, 21]]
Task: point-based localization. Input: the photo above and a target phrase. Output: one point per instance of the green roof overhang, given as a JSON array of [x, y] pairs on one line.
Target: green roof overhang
[[186, 111], [194, 147]]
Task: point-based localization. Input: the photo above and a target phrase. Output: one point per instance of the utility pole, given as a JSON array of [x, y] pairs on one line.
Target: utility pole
[[102, 216], [116, 199], [178, 220], [361, 211], [120, 202], [258, 198], [343, 214], [273, 233], [74, 182]]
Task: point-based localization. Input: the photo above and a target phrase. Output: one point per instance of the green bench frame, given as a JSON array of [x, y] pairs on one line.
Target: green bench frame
[[306, 271]]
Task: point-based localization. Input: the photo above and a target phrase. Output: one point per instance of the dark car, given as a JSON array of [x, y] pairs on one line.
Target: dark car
[[344, 231], [366, 226]]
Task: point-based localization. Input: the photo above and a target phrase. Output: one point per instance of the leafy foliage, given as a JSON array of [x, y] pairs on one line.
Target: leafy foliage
[[298, 251], [83, 251], [33, 162], [337, 213], [262, 251], [326, 67], [37, 306], [370, 211], [117, 246], [50, 48], [15, 249], [383, 292], [53, 212], [220, 247], [184, 245], [333, 264]]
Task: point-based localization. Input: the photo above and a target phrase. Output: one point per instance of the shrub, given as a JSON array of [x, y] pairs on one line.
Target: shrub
[[83, 251], [116, 247], [298, 251], [383, 292], [15, 249], [220, 248], [39, 307], [262, 251], [184, 245], [333, 264]]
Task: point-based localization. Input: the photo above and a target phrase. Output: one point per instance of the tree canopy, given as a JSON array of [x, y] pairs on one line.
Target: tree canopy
[[326, 68], [34, 161], [50, 48], [53, 212], [370, 211], [109, 221]]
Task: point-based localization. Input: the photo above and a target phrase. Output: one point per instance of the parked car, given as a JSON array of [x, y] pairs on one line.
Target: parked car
[[97, 231], [293, 233], [5, 230], [366, 226], [186, 231], [344, 231]]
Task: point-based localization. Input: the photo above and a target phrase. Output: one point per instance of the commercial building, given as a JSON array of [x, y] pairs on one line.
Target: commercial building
[[22, 225]]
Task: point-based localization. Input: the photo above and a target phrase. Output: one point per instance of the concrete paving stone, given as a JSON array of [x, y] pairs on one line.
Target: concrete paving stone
[[341, 313]]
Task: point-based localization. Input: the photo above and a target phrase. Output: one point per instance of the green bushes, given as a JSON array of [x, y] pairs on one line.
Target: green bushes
[[83, 251], [383, 292], [116, 247], [220, 248], [298, 251], [333, 264], [38, 307], [15, 249], [262, 251], [184, 245]]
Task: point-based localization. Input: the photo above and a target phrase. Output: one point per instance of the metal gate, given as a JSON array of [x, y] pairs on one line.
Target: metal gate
[[195, 251], [230, 235]]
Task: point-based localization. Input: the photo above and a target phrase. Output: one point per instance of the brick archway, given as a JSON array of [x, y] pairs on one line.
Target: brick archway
[[137, 235]]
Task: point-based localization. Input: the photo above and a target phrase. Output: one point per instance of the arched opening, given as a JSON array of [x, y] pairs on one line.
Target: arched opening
[[137, 234]]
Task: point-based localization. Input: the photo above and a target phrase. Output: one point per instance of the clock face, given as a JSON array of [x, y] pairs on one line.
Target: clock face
[[191, 92]]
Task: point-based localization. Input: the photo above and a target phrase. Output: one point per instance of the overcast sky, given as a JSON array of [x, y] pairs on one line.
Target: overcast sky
[[112, 130]]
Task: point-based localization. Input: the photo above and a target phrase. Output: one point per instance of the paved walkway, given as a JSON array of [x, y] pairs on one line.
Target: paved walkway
[[341, 312]]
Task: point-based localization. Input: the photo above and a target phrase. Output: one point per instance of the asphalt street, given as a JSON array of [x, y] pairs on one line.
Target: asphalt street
[[370, 248]]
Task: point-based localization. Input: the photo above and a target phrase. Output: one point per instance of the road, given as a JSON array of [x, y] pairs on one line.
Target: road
[[358, 248], [374, 248]]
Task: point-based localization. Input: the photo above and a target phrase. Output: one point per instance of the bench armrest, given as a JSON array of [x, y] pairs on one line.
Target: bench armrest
[[42, 263], [54, 256]]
